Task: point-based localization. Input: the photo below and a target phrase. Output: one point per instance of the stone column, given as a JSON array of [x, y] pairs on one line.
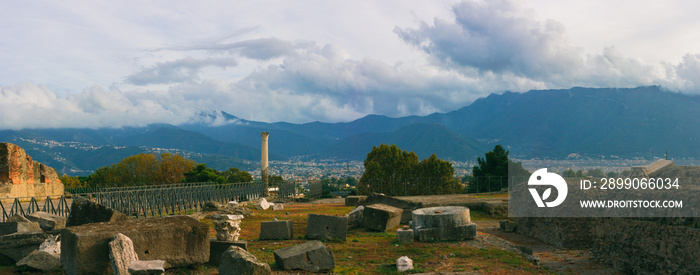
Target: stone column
[[263, 160]]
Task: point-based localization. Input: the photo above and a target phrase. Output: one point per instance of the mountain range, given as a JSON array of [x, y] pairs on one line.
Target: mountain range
[[643, 122]]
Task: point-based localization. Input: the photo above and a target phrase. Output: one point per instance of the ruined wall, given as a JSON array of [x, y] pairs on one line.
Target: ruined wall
[[647, 246], [560, 232], [21, 176], [630, 245]]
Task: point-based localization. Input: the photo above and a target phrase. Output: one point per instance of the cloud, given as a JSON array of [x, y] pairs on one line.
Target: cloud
[[688, 72], [503, 37], [177, 71], [259, 49], [27, 105], [496, 36]]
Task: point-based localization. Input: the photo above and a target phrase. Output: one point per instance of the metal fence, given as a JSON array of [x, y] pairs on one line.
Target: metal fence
[[411, 186], [288, 190], [315, 190], [486, 184], [25, 206], [145, 200]]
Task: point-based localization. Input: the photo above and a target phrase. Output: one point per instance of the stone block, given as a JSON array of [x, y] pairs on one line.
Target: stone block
[[84, 211], [311, 256], [217, 248], [355, 216], [147, 267], [121, 253], [404, 235], [17, 218], [48, 221], [406, 206], [381, 217], [212, 206], [322, 227], [277, 230], [354, 200], [510, 227], [404, 264], [457, 233], [14, 247], [178, 240], [263, 204], [444, 223], [238, 261], [18, 227], [39, 260]]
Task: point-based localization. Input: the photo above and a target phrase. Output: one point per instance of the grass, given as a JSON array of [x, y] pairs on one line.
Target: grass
[[367, 252]]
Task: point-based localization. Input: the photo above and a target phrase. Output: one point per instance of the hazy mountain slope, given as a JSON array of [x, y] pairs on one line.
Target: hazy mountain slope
[[636, 122], [554, 123], [422, 138]]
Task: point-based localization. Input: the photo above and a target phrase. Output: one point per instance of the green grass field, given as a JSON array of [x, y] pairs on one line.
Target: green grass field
[[367, 252]]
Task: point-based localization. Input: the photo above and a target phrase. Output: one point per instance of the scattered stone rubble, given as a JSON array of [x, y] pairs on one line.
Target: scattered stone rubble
[[404, 264], [277, 230], [325, 228], [311, 256], [177, 240], [238, 261], [47, 221], [381, 217], [121, 253], [444, 223], [217, 248], [228, 227], [355, 216], [84, 211], [153, 267], [263, 204]]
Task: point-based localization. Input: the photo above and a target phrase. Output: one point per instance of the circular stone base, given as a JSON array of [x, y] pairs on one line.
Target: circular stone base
[[443, 223]]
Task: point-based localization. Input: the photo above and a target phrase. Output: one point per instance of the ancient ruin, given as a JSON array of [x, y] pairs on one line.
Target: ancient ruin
[[21, 176], [446, 223]]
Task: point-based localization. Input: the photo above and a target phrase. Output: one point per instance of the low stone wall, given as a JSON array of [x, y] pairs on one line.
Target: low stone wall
[[560, 232], [646, 246], [630, 245], [31, 190]]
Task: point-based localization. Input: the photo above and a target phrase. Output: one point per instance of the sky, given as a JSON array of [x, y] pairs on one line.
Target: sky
[[112, 64]]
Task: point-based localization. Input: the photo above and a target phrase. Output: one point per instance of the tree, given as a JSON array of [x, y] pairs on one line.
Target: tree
[[596, 173], [202, 173], [144, 169], [233, 175], [568, 173], [351, 181], [392, 171], [71, 182], [172, 168], [275, 180], [439, 175], [493, 172]]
